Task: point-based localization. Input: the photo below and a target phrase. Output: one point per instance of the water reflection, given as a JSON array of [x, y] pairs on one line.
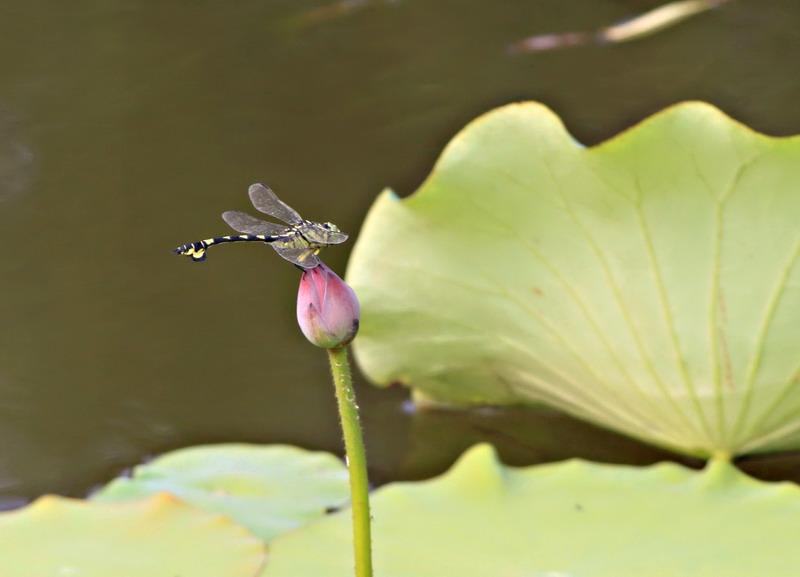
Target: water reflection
[[633, 28]]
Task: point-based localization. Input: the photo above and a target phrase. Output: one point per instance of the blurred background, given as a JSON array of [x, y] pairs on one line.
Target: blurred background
[[127, 127]]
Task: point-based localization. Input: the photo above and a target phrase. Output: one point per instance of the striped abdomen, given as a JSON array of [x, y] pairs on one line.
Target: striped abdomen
[[197, 250]]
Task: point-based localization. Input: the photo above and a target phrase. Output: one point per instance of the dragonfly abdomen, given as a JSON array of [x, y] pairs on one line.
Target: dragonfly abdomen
[[197, 250]]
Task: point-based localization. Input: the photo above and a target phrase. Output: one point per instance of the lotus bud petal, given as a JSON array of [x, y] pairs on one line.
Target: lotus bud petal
[[327, 308]]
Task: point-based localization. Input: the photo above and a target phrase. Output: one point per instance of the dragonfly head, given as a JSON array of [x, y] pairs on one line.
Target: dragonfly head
[[336, 236]]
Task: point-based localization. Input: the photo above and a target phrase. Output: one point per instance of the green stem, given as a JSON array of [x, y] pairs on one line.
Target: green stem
[[356, 459]]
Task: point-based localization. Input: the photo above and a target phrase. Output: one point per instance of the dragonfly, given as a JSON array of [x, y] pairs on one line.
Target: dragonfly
[[298, 241]]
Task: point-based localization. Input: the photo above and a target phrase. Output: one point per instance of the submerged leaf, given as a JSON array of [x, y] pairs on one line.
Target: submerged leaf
[[158, 537], [649, 284], [567, 519], [266, 489]]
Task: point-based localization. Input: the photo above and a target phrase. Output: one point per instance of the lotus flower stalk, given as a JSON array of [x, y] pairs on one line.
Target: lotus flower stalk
[[328, 314]]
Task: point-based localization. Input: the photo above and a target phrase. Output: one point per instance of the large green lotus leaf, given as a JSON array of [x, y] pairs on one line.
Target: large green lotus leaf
[[572, 518], [158, 537], [649, 284], [266, 489]]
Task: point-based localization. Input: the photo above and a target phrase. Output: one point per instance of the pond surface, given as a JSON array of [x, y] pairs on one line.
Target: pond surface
[[127, 127]]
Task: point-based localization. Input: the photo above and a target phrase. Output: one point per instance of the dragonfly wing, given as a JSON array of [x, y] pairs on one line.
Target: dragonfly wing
[[266, 201], [302, 256], [243, 222]]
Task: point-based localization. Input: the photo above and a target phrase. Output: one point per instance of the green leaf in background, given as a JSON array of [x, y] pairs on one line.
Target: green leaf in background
[[158, 537], [266, 489], [649, 284], [567, 519]]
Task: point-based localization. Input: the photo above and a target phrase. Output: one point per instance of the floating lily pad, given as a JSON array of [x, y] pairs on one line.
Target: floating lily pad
[[649, 284], [158, 537], [266, 489], [570, 519]]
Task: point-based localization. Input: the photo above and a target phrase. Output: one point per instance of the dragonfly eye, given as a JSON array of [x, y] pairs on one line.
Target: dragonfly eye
[[331, 227]]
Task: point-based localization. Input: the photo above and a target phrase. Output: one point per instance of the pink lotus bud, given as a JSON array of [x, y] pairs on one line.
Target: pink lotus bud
[[327, 308]]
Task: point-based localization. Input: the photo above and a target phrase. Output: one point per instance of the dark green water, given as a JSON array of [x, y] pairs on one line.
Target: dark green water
[[126, 128]]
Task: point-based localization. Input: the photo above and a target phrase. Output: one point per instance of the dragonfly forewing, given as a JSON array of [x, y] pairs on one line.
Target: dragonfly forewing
[[266, 201]]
